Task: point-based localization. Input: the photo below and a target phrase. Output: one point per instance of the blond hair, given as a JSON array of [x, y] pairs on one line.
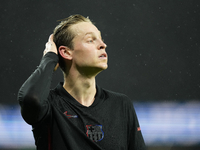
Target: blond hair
[[63, 35]]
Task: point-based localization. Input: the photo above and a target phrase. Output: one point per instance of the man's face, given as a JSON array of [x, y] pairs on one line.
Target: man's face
[[88, 49]]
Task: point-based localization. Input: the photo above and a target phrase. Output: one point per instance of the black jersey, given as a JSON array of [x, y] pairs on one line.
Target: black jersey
[[61, 123]]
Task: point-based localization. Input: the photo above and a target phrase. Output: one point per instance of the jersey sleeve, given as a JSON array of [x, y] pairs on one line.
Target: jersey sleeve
[[136, 141], [32, 95]]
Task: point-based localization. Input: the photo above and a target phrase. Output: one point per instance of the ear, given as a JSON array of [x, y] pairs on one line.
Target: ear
[[65, 52]]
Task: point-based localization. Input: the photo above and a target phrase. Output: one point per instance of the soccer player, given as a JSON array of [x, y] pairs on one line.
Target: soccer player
[[78, 114]]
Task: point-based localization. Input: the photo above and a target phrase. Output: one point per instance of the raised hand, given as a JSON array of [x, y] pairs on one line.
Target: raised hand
[[51, 47]]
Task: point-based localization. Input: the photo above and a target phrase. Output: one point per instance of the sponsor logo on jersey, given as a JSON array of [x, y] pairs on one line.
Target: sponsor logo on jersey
[[70, 116]]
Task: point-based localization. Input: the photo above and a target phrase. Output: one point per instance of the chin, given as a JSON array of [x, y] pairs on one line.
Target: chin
[[101, 68], [104, 67]]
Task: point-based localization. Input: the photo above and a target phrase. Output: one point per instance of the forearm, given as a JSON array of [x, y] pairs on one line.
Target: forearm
[[33, 94]]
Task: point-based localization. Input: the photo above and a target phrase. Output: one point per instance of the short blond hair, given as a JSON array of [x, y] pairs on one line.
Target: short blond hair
[[63, 35]]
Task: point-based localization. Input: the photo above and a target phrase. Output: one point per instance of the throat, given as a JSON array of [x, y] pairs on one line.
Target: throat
[[82, 91], [85, 96], [86, 103]]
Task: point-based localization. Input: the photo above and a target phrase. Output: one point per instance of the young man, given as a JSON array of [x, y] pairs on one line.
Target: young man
[[77, 114]]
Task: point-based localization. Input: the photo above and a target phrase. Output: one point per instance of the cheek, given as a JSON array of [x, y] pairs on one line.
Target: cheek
[[87, 51], [84, 51]]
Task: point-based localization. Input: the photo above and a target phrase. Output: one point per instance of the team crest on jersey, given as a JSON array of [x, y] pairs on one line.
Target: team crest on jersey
[[95, 132]]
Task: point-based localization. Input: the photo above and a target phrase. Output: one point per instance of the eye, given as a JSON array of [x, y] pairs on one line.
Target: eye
[[90, 40]]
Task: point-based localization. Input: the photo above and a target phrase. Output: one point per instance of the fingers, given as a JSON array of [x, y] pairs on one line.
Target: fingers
[[50, 38], [50, 46]]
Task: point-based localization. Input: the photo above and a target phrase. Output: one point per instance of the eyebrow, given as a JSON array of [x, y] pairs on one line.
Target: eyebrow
[[92, 33], [89, 33]]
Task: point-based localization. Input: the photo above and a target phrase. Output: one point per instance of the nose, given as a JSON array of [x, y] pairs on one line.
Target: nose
[[102, 45]]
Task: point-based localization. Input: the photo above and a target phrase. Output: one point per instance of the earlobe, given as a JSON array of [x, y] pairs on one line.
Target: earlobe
[[65, 52]]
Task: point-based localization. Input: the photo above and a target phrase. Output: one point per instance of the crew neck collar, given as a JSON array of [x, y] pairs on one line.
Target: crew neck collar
[[64, 94]]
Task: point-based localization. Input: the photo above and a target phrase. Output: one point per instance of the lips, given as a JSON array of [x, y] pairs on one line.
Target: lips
[[104, 55]]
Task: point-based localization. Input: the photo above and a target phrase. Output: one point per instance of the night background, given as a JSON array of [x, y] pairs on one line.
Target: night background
[[153, 46]]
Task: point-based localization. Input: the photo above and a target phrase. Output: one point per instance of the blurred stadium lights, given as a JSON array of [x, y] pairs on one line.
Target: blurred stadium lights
[[162, 123], [170, 123]]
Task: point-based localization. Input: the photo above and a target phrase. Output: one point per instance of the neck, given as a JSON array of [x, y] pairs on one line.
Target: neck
[[82, 88]]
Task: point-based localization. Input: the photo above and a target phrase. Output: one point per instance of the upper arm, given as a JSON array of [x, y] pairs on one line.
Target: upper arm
[[32, 110]]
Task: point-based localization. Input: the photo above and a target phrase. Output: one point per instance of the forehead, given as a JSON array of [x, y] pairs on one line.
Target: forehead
[[84, 28]]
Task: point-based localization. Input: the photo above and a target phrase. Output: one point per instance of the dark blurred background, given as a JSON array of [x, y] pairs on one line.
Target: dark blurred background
[[153, 45]]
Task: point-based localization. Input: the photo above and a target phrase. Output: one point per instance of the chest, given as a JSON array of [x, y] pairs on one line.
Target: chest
[[106, 126]]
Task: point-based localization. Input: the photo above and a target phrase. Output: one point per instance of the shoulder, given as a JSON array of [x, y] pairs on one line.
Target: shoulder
[[114, 94], [117, 97]]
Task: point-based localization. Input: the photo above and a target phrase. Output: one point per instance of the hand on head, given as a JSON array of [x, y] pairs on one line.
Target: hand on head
[[51, 47]]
